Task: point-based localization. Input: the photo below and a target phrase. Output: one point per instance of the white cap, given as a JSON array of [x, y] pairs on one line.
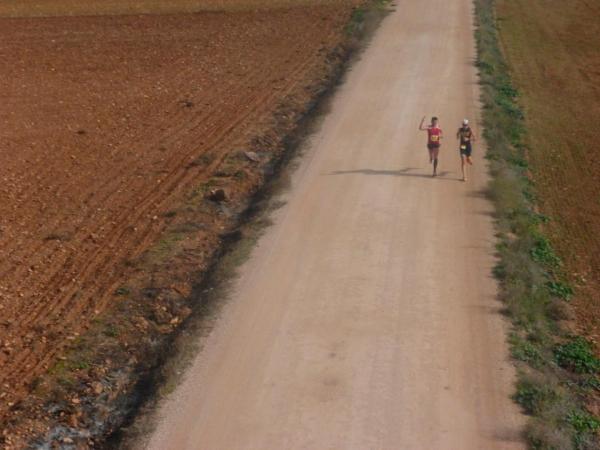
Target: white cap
[[466, 122]]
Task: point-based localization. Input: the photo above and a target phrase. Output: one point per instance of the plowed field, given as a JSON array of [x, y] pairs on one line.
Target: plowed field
[[555, 59], [106, 123], [32, 8]]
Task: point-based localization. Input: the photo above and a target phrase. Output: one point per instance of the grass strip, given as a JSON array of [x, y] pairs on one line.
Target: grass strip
[[557, 371]]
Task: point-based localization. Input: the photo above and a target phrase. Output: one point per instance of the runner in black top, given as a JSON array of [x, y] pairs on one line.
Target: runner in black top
[[466, 136]]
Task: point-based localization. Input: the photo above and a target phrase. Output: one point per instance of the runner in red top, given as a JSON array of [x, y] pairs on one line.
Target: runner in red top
[[434, 141]]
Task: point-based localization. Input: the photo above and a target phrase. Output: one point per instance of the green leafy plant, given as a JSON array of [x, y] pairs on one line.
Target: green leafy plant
[[560, 289], [543, 253], [578, 356], [586, 427]]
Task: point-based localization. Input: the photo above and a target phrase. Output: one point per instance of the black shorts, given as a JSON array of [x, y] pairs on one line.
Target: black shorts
[[432, 146], [466, 149]]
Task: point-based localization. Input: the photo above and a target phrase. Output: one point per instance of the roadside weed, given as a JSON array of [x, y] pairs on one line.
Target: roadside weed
[[560, 289], [543, 253], [577, 355]]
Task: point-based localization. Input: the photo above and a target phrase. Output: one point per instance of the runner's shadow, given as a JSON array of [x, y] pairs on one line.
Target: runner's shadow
[[394, 173]]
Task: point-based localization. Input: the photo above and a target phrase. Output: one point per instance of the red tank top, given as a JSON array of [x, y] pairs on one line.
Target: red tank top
[[434, 135]]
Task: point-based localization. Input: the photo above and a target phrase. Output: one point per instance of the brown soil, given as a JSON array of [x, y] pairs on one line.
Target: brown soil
[[555, 58], [33, 8], [113, 130]]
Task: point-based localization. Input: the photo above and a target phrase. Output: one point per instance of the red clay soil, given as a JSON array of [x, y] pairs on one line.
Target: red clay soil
[[106, 124]]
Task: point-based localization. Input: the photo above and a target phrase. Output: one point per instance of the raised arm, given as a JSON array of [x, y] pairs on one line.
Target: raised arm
[[421, 125]]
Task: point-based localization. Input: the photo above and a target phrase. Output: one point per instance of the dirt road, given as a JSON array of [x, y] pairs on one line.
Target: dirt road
[[367, 317]]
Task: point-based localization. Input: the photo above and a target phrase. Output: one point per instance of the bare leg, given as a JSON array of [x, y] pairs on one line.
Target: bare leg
[[463, 168], [435, 164]]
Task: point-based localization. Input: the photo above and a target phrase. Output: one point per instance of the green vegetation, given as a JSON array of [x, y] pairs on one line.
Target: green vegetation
[[123, 291], [111, 331], [359, 16], [553, 367], [526, 351], [578, 356], [64, 369], [543, 253], [535, 397], [583, 421], [165, 247], [586, 428], [560, 289]]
